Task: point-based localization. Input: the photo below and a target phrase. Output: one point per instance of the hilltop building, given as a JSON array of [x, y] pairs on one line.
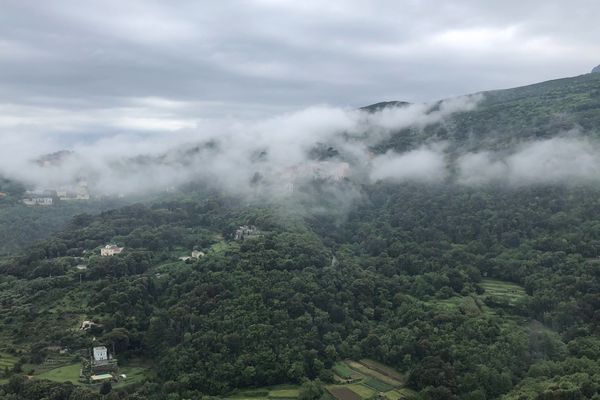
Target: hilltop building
[[110, 250]]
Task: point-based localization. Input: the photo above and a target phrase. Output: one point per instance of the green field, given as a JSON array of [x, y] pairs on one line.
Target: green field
[[362, 390], [6, 360], [372, 373], [135, 374], [378, 385], [369, 378], [219, 247], [504, 290], [342, 370], [284, 393], [272, 392], [401, 394], [63, 374]]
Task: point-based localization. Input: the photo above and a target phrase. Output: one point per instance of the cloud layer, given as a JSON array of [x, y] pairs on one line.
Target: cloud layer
[[109, 67], [286, 154]]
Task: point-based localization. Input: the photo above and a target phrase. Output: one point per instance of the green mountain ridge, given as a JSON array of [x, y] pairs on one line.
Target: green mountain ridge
[[507, 117]]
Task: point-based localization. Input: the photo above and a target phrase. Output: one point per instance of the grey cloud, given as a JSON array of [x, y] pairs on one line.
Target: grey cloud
[[268, 155], [420, 165], [562, 160], [264, 57]]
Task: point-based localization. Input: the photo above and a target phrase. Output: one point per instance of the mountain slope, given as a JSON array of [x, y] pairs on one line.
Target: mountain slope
[[505, 117]]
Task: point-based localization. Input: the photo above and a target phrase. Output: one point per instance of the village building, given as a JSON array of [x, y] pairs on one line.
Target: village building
[[86, 325], [101, 362], [100, 353], [74, 193], [196, 254], [246, 232], [44, 198], [110, 250]]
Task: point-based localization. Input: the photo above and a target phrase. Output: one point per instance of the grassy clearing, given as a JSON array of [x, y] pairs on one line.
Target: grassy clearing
[[219, 247], [343, 393], [251, 394], [378, 385], [7, 360], [344, 371], [362, 390], [63, 374], [504, 290], [135, 374], [284, 393], [401, 394]]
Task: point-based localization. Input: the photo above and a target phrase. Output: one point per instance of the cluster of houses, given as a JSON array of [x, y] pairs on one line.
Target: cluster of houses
[[49, 197], [196, 254], [247, 232], [39, 198], [110, 250]]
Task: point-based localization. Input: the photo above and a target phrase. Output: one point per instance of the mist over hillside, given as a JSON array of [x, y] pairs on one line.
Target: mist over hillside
[[539, 134]]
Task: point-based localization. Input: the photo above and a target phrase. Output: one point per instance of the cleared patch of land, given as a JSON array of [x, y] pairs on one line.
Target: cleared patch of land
[[378, 385], [360, 380], [401, 394], [284, 393], [135, 374], [362, 390], [63, 374], [343, 393], [383, 369], [507, 291], [7, 361], [343, 370], [374, 374]]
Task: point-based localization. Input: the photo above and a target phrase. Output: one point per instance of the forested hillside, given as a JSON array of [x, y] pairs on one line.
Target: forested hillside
[[504, 118], [349, 289], [414, 277]]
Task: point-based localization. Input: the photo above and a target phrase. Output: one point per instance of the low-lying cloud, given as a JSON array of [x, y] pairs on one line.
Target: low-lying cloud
[[273, 155], [569, 159], [279, 156], [421, 165]]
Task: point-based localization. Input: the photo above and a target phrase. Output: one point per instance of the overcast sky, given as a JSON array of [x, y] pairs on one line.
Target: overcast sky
[[90, 68]]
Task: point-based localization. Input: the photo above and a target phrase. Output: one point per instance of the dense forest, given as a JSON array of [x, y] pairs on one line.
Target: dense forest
[[403, 278]]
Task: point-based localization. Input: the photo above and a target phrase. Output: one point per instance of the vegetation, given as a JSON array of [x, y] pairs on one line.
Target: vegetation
[[418, 291]]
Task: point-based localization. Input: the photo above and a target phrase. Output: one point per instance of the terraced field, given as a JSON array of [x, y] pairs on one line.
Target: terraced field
[[504, 290], [357, 380], [7, 361], [368, 379], [278, 392]]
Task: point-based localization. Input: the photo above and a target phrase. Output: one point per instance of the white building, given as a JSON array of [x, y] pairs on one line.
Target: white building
[[38, 201], [110, 250], [100, 353], [197, 254]]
